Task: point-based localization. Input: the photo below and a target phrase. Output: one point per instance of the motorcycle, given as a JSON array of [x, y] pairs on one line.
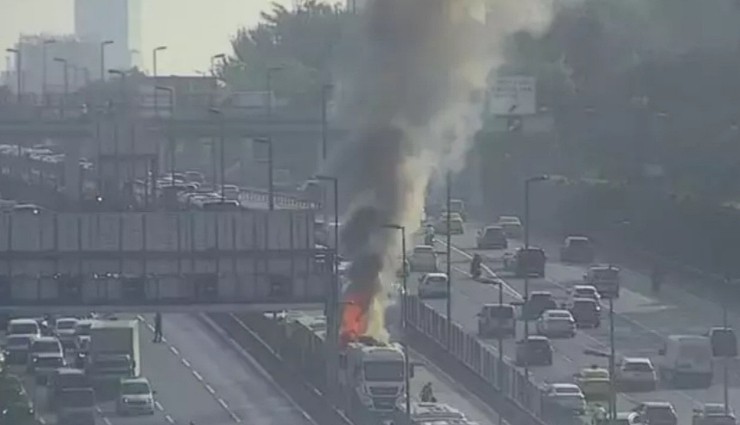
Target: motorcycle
[[475, 267]]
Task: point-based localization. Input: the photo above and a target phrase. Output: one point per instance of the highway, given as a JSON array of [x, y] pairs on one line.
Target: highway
[[641, 321]]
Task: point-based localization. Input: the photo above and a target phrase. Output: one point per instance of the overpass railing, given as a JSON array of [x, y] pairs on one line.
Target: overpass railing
[[259, 199]]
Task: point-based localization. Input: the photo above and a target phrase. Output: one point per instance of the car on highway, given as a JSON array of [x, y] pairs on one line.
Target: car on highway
[[567, 397], [594, 382], [491, 237], [578, 250], [654, 413], [64, 329], [512, 226], [135, 396], [535, 350], [457, 226], [586, 312], [42, 365], [686, 361], [458, 206], [713, 414], [539, 302], [497, 320], [24, 326], [636, 373], [526, 262], [16, 349], [605, 278], [585, 291], [433, 285], [724, 342], [65, 378], [423, 259], [45, 345], [556, 323]]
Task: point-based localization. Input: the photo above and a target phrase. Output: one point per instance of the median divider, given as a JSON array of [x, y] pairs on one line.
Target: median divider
[[477, 366]]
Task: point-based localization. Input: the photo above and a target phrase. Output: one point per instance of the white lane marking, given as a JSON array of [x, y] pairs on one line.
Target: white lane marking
[[41, 420], [210, 389], [158, 405], [258, 367], [185, 362], [223, 404], [107, 421], [174, 350], [169, 419], [99, 410], [197, 375]]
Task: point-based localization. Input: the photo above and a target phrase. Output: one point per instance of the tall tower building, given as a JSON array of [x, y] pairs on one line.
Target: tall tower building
[[117, 20]]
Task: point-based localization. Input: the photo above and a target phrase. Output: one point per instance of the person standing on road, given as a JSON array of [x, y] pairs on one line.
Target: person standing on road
[[158, 327]]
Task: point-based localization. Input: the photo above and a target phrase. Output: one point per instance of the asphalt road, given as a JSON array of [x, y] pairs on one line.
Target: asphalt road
[[642, 320]]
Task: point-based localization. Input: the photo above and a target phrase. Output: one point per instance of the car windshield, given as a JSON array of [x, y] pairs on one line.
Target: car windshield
[[18, 341], [49, 361], [384, 371], [73, 380], [436, 279], [579, 243], [24, 328], [659, 413], [83, 330], [77, 398], [567, 390], [45, 347], [508, 220], [500, 312], [559, 315], [457, 206], [637, 367], [585, 292], [605, 274], [538, 343], [493, 233], [423, 250], [66, 324], [697, 352], [595, 374], [135, 388]]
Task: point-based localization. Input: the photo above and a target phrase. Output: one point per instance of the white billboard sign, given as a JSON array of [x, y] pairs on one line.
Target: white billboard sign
[[513, 96]]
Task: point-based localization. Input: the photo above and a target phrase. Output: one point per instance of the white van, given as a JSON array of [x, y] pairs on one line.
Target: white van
[[28, 327], [686, 360]]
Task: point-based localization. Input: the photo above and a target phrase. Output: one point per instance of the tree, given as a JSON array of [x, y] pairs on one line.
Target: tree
[[300, 41]]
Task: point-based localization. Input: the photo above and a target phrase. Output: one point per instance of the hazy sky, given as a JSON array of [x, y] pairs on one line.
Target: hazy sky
[[193, 30]]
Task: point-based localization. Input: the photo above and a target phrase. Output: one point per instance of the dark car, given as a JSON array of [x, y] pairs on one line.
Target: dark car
[[655, 413], [534, 351], [577, 249], [539, 302], [526, 262], [724, 342], [586, 312]]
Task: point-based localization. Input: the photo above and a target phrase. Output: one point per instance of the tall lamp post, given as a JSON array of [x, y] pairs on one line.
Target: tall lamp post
[[527, 183], [270, 183], [154, 75], [406, 365], [171, 94], [448, 208], [222, 145], [611, 356], [332, 305], [103, 44], [18, 71], [325, 91], [65, 68], [270, 72], [43, 69]]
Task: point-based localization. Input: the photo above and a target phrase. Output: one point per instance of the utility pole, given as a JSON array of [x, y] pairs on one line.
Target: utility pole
[[154, 75], [43, 67], [449, 259]]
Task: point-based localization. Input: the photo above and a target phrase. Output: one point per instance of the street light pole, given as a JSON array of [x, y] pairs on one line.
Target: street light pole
[[154, 74], [43, 68], [63, 106], [527, 183], [270, 181], [18, 70], [171, 92], [612, 366], [449, 259], [332, 304], [270, 71], [406, 362], [102, 57], [222, 145]]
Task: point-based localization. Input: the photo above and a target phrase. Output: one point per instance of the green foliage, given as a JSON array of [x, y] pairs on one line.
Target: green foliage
[[300, 41]]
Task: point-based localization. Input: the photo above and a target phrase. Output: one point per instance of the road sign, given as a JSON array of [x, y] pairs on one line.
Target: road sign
[[513, 96]]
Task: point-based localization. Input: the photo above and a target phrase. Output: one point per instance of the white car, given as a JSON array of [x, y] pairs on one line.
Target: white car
[[433, 285], [28, 327], [586, 291], [556, 323], [636, 373], [568, 397], [135, 396], [65, 331], [423, 259], [512, 226]]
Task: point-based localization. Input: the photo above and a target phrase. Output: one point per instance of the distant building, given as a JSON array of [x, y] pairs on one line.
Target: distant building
[[356, 4], [116, 20], [37, 55]]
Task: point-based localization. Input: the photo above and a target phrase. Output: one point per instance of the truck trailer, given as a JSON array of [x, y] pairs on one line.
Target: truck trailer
[[114, 350]]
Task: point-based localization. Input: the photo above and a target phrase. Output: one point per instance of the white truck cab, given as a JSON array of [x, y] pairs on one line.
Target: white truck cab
[[374, 373], [686, 360]]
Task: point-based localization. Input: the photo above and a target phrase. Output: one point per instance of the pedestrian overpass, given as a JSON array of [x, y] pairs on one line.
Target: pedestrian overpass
[[161, 261]]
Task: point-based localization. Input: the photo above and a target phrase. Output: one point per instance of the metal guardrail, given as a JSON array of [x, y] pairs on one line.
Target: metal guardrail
[[482, 360], [261, 197]]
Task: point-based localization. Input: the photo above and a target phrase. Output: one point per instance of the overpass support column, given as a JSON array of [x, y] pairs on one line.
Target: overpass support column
[[72, 178]]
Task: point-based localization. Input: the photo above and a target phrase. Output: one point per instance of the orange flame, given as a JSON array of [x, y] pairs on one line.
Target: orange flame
[[354, 318]]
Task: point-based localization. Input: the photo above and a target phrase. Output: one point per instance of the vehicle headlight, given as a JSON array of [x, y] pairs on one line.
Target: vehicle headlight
[[126, 400]]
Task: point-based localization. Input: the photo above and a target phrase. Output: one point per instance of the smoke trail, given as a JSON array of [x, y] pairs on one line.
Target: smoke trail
[[413, 99]]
